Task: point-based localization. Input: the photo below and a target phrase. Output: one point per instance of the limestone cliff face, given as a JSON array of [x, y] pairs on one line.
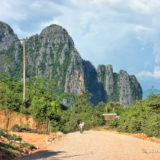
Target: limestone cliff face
[[52, 56], [7, 36], [125, 89], [119, 87], [75, 75], [106, 76], [10, 51], [92, 84]]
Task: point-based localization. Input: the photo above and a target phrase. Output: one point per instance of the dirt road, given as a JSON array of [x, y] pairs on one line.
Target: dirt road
[[99, 145]]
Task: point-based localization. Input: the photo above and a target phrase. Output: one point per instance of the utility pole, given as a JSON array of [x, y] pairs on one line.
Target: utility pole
[[152, 89], [24, 69], [24, 73]]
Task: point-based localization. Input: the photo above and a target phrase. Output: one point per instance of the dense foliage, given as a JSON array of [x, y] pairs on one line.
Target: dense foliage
[[44, 105], [141, 117]]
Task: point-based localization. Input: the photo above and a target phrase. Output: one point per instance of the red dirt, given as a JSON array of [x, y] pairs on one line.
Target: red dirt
[[38, 140], [8, 120]]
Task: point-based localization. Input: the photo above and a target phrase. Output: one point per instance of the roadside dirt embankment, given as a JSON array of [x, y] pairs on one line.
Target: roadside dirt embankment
[[8, 119]]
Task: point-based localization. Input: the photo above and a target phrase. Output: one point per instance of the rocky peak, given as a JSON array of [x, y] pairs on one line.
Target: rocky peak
[[93, 85], [101, 73], [123, 73], [119, 87], [105, 75], [57, 34], [7, 36], [109, 82], [109, 68], [130, 89], [125, 89], [10, 50], [52, 54], [136, 88]]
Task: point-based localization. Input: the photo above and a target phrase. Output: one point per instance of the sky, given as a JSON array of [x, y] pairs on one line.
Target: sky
[[124, 33]]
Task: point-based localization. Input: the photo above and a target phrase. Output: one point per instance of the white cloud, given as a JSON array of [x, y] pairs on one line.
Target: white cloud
[[140, 28], [155, 74], [10, 10]]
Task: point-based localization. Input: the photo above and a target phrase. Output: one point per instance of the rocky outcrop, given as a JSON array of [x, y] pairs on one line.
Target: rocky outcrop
[[106, 76], [75, 75], [136, 88], [125, 93], [7, 36], [10, 51], [129, 89], [119, 87], [52, 56], [92, 84]]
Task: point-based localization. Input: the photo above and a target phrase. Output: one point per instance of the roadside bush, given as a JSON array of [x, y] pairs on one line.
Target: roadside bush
[[16, 128], [113, 123], [13, 137], [134, 118], [152, 125], [141, 117], [4, 133]]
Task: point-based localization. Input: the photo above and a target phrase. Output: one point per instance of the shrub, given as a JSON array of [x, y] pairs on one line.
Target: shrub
[[152, 125], [16, 128], [113, 123], [2, 133], [141, 117], [5, 133], [13, 137]]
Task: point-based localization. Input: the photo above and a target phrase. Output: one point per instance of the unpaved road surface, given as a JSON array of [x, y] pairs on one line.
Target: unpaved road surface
[[99, 145]]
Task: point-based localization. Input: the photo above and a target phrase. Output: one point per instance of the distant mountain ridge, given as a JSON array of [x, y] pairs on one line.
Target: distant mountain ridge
[[52, 55]]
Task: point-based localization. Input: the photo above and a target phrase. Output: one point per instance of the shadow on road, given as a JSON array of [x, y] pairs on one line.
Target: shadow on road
[[63, 157], [66, 132], [46, 155], [40, 155]]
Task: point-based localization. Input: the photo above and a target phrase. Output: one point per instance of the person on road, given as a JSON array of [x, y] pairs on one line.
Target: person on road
[[81, 127]]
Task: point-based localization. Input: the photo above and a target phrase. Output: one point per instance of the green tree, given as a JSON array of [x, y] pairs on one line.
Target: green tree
[[100, 107]]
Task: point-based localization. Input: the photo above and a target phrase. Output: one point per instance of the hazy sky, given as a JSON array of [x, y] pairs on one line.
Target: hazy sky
[[124, 33]]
